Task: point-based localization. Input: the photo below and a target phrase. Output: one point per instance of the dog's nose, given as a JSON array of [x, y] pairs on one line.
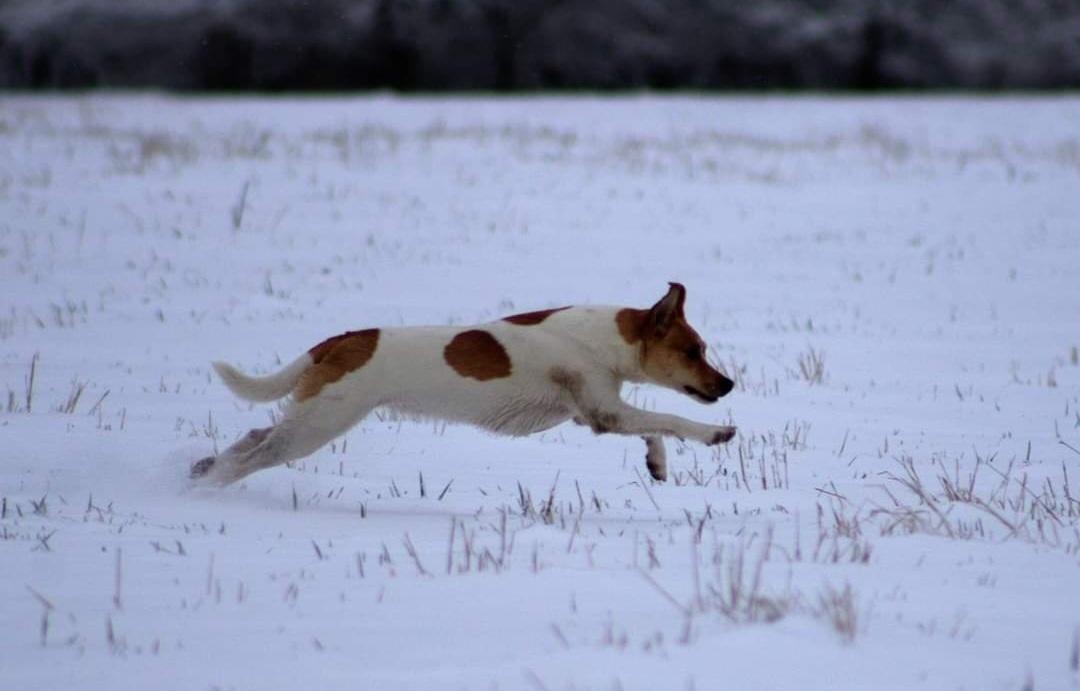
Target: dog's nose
[[725, 387]]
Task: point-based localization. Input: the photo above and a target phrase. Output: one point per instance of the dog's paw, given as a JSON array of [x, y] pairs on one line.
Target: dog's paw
[[201, 468], [656, 459], [721, 435]]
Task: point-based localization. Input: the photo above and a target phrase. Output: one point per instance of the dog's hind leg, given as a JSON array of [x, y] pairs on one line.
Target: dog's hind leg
[[307, 426], [247, 442]]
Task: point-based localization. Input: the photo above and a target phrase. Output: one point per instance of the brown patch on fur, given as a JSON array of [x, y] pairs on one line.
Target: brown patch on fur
[[533, 318], [566, 380], [631, 323], [334, 358], [682, 337], [666, 360], [668, 353], [476, 354]]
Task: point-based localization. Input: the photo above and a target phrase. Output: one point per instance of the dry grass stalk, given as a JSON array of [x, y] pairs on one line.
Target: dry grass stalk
[[812, 366]]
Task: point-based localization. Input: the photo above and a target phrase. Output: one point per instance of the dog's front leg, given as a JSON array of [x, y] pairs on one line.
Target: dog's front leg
[[655, 453], [652, 427], [597, 404], [656, 458], [644, 423]]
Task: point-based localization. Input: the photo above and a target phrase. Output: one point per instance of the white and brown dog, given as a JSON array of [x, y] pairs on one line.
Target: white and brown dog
[[516, 376]]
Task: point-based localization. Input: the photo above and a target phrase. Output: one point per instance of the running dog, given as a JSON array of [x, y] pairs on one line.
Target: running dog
[[517, 376]]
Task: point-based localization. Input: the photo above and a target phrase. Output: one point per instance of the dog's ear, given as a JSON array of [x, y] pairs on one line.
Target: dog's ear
[[665, 312]]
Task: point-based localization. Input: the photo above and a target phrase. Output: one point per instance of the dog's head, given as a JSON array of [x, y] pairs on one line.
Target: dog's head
[[672, 354]]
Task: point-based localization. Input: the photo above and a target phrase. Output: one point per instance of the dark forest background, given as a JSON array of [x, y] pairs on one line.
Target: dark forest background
[[514, 45]]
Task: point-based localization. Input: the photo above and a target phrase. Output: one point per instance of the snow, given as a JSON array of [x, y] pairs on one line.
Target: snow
[[925, 248]]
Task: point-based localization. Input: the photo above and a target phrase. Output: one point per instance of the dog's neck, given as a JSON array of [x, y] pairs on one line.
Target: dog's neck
[[597, 332]]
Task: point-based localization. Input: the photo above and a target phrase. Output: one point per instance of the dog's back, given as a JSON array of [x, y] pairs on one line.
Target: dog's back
[[495, 375]]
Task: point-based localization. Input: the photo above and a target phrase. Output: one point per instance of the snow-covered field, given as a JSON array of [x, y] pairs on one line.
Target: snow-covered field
[[893, 283]]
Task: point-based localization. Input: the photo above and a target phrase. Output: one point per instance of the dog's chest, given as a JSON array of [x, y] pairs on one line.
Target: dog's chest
[[521, 416]]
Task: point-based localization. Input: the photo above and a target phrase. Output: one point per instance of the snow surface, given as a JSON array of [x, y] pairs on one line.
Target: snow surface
[[925, 249]]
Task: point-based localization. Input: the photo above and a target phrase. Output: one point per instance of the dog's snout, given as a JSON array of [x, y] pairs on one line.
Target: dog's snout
[[725, 386]]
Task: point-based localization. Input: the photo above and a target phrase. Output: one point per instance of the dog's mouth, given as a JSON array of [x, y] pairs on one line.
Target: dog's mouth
[[700, 395]]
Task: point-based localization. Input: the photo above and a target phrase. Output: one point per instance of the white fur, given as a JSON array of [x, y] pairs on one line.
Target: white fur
[[570, 366], [262, 389]]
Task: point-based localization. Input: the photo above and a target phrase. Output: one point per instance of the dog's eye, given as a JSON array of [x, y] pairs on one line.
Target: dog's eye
[[693, 353]]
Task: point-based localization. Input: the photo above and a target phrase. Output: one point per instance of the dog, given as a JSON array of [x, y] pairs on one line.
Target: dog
[[520, 375]]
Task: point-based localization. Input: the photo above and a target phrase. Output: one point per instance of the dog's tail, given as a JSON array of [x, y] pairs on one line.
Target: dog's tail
[[269, 388]]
